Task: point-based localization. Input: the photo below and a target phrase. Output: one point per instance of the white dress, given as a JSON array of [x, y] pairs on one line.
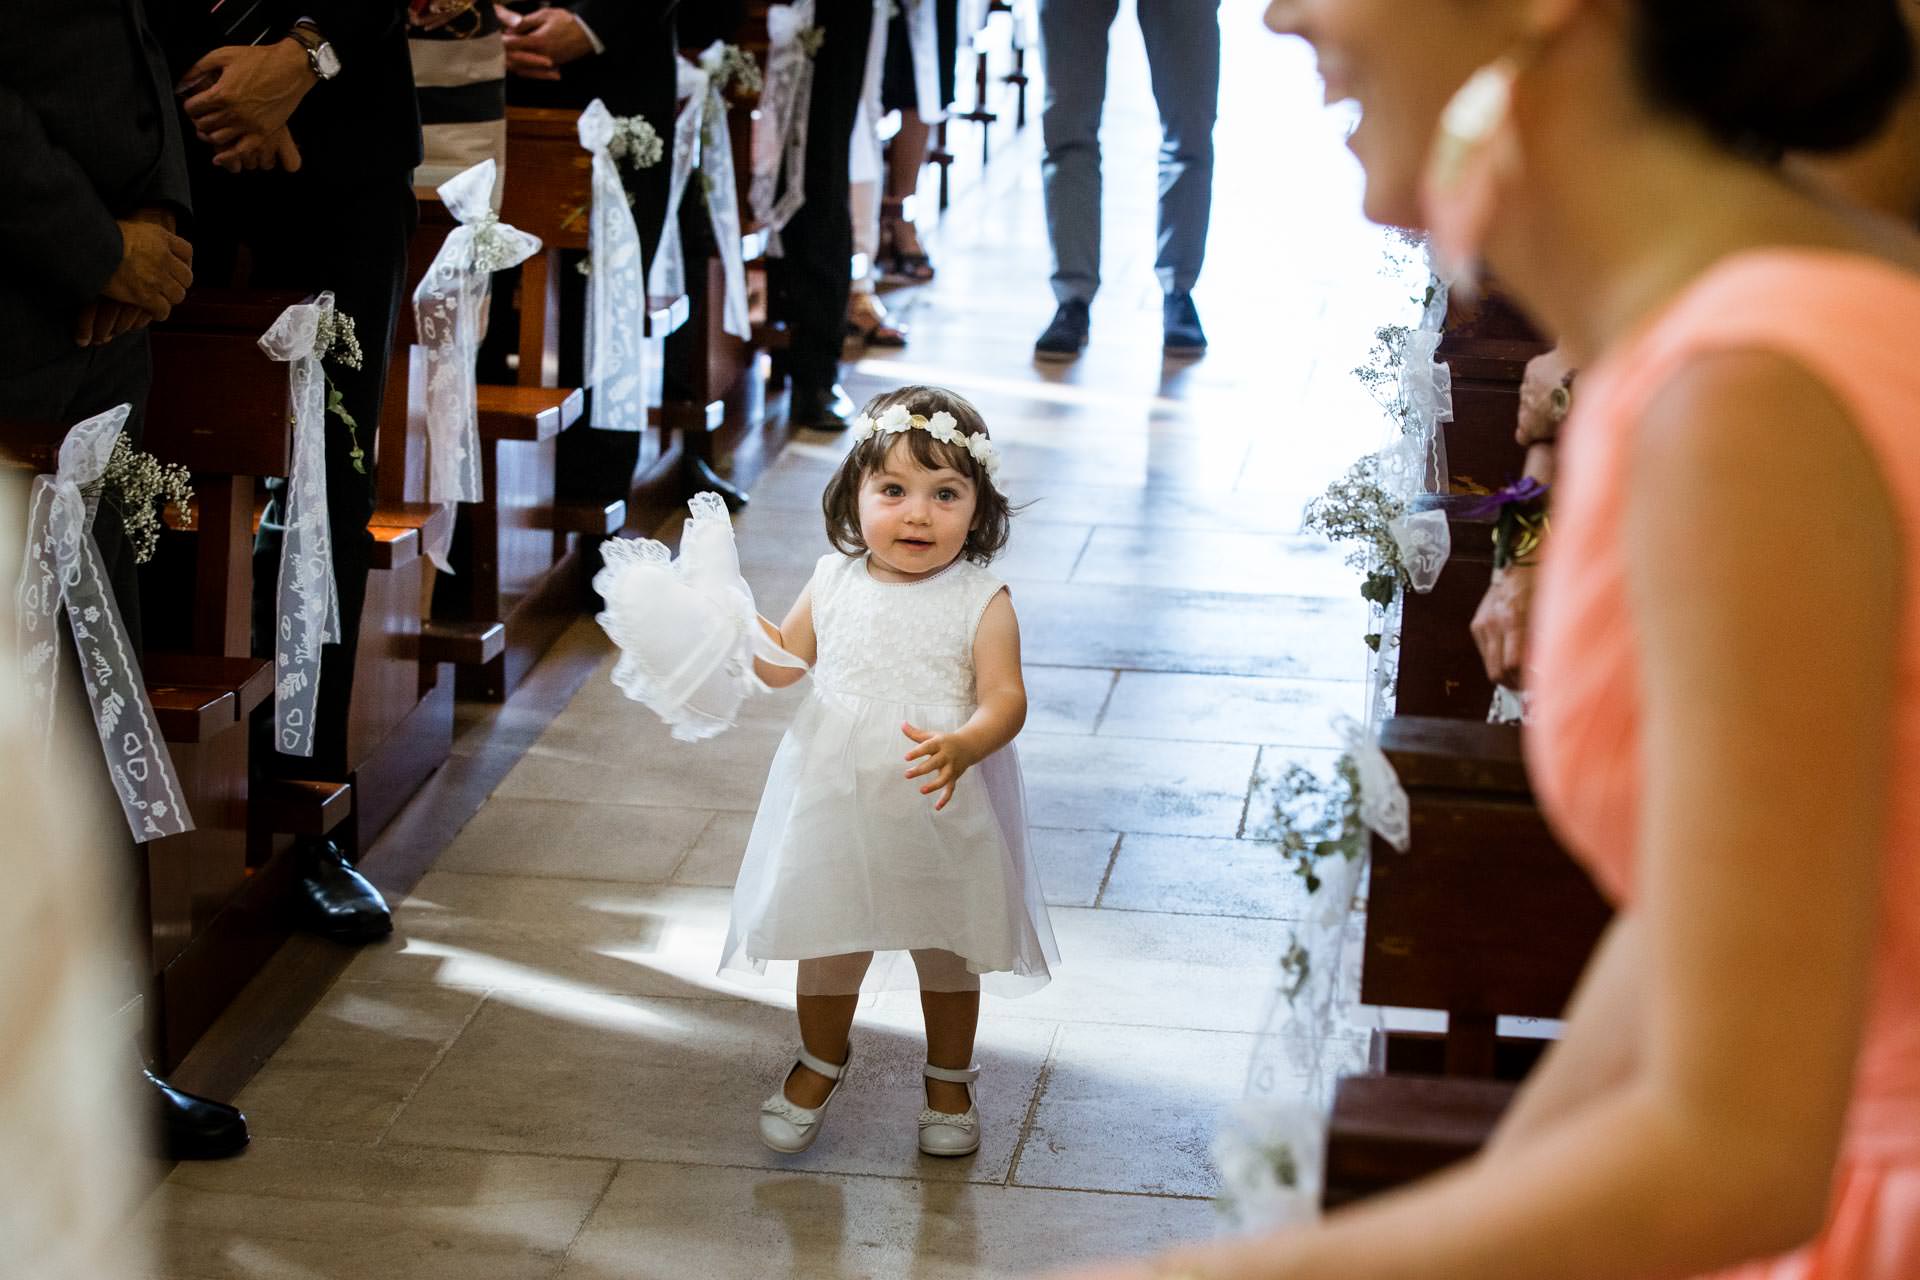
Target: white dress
[[846, 855]]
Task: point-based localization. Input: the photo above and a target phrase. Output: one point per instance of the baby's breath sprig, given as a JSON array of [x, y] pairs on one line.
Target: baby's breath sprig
[[138, 485], [636, 141], [811, 38], [337, 340], [735, 73], [1356, 508]]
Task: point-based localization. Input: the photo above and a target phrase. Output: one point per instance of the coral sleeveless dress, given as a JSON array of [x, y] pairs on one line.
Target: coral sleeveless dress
[[1849, 320]]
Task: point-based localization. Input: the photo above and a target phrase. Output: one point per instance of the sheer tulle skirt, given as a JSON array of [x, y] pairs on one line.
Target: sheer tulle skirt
[[847, 856]]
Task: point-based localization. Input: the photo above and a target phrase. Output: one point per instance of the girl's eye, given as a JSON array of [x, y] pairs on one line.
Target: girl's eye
[[948, 495], [894, 491]]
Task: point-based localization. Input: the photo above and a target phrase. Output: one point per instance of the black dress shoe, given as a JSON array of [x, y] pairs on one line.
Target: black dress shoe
[[1181, 324], [1066, 336], [335, 901], [820, 408], [195, 1128]]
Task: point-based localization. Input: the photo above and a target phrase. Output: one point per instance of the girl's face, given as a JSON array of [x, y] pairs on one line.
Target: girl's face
[[914, 521], [1400, 61]]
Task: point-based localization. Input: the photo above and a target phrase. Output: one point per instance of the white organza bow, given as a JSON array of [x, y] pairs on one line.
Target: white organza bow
[[307, 607], [780, 132], [449, 310], [616, 349], [687, 629], [62, 566]]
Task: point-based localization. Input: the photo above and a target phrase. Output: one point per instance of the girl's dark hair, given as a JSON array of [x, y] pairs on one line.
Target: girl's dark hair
[[1766, 76], [992, 514]]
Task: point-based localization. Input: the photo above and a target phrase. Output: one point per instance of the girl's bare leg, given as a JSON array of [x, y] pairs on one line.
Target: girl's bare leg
[[952, 1016], [829, 991]]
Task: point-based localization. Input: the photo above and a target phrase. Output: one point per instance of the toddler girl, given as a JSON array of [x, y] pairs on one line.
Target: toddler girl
[[894, 817]]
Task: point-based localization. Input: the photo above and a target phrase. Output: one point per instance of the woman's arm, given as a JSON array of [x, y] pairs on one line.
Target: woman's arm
[[1001, 691], [1766, 580], [795, 635]]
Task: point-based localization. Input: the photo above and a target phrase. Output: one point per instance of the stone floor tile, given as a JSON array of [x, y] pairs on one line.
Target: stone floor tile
[[670, 1222], [1133, 1109], [356, 1057], [323, 1211], [1232, 563], [575, 839], [521, 932], [1151, 629], [1154, 704], [1039, 550], [715, 857], [1203, 877], [574, 1073], [1135, 784], [1073, 864], [1065, 699]]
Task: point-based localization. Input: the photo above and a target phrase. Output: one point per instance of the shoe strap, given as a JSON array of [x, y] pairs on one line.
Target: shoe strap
[[821, 1065], [951, 1076]]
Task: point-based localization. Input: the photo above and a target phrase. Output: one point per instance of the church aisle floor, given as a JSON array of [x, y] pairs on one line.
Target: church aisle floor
[[540, 1075]]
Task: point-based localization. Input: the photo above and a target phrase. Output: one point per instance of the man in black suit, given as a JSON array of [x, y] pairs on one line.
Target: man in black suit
[[305, 136], [90, 155]]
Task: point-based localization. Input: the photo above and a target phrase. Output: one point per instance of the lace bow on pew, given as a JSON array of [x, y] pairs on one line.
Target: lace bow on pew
[[449, 308], [687, 629], [703, 143], [62, 567], [306, 605], [780, 131], [616, 349]]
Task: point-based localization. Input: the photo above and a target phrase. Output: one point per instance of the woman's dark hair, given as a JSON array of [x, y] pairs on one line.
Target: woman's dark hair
[[1767, 76], [992, 514]]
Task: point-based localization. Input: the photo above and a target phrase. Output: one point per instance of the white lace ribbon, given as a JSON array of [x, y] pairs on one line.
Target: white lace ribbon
[[923, 42], [1424, 542], [307, 607], [723, 197], [669, 275], [616, 349], [780, 141], [62, 566], [449, 309], [1383, 801]]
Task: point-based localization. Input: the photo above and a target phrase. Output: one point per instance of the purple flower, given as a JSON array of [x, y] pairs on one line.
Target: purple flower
[[1525, 489]]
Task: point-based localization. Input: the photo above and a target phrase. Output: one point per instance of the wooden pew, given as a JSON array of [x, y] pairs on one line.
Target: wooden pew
[[1440, 672]]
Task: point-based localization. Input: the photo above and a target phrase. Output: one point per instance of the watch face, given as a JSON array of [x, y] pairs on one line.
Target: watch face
[[326, 61]]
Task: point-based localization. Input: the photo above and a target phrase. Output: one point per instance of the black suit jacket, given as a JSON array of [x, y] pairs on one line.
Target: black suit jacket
[[361, 125], [87, 136]]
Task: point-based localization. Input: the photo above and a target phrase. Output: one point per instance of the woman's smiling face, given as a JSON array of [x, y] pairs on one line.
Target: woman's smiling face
[[1400, 61]]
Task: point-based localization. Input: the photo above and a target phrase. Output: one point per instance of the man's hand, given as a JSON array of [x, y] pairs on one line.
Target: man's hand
[[438, 13], [542, 42], [156, 266], [237, 92], [945, 755], [103, 321], [252, 152], [1500, 625]]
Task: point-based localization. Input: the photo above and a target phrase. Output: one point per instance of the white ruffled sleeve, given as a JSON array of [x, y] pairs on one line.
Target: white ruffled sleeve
[[687, 629]]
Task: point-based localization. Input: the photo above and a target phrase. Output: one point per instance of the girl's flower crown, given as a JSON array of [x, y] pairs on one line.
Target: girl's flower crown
[[941, 426]]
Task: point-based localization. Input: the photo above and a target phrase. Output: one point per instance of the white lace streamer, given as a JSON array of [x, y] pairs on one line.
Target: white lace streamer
[[616, 349], [701, 142], [1424, 543], [449, 309], [307, 606], [780, 132], [62, 567], [923, 43]]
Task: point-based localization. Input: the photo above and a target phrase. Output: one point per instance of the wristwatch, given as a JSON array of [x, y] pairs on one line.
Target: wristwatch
[[320, 55]]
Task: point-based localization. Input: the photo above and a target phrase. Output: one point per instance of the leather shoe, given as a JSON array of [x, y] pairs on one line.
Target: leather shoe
[[820, 408], [1065, 336], [1180, 322], [337, 902], [196, 1128]]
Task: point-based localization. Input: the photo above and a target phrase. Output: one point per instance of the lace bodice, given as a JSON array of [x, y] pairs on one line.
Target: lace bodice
[[908, 642]]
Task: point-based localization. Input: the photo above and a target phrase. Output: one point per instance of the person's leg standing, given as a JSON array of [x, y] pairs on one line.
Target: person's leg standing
[[817, 243], [1183, 57], [1073, 50]]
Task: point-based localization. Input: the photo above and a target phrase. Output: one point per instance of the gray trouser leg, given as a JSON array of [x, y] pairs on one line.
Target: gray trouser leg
[[1073, 39], [1183, 55]]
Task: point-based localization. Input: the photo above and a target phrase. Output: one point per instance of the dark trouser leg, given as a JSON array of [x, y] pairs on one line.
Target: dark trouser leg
[[1183, 57], [816, 269], [1073, 48]]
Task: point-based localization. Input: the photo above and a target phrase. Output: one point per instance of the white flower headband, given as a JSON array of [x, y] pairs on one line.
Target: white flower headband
[[941, 426]]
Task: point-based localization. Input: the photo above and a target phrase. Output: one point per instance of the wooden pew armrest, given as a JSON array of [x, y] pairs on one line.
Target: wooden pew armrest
[[1386, 1131], [528, 413], [465, 644], [393, 545], [303, 808], [664, 315], [586, 515], [1456, 755], [250, 680], [191, 713]]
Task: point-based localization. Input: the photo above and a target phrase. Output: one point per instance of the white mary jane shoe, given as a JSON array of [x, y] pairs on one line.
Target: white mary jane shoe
[[943, 1133], [788, 1127]]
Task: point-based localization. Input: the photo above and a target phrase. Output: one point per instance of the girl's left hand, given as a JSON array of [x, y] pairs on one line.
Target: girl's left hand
[[945, 755]]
